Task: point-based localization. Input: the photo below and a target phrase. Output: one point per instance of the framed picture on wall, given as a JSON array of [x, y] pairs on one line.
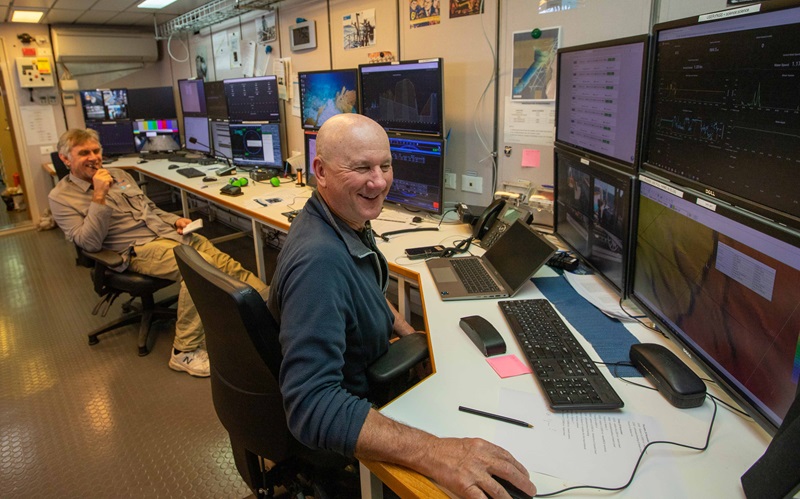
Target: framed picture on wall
[[303, 36], [265, 27]]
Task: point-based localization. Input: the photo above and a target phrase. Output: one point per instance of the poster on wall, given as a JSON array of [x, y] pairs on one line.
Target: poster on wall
[[423, 13], [358, 29], [534, 64], [202, 67], [265, 28], [463, 8]]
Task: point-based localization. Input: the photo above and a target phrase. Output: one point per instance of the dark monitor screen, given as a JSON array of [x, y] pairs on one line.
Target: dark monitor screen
[[404, 97], [216, 102], [116, 137], [600, 97], [418, 168], [256, 144], [724, 283], [326, 93], [221, 139], [197, 127], [724, 115], [310, 152], [156, 135], [593, 215], [105, 104], [253, 99], [193, 97], [151, 103]]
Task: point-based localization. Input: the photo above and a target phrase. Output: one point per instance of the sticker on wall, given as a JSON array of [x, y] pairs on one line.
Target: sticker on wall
[[235, 49], [548, 6], [423, 13], [358, 29], [534, 73], [265, 28], [463, 8]]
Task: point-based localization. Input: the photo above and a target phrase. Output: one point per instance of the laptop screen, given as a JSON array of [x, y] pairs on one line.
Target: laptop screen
[[518, 253]]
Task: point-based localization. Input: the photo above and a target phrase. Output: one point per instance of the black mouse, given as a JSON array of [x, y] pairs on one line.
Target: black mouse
[[416, 220], [142, 161], [512, 490], [209, 179], [172, 167]]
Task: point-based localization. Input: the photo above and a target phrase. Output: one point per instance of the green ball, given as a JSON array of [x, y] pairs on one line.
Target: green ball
[[536, 33]]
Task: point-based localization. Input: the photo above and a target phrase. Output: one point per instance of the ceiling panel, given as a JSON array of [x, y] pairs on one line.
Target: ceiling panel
[[61, 16], [116, 5], [138, 19], [37, 4], [96, 16]]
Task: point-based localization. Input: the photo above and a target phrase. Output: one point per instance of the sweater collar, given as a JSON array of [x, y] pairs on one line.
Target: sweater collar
[[351, 238]]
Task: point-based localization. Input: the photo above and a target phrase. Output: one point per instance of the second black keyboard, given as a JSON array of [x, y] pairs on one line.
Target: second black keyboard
[[562, 367]]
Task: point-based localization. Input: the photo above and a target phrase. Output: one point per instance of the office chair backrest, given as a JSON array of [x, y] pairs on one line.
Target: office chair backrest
[[61, 169], [244, 383]]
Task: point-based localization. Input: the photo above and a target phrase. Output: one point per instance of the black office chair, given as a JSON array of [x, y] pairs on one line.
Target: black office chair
[[61, 169], [109, 285], [245, 356]]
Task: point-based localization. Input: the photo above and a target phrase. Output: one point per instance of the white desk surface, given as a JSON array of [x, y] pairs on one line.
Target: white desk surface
[[463, 377]]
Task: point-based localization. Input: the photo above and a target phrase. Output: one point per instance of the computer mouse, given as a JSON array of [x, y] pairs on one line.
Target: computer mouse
[[483, 334], [416, 220], [209, 179], [172, 167], [672, 378], [512, 490], [141, 161]]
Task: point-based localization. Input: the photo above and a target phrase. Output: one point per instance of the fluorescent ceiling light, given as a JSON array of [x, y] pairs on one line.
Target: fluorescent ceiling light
[[26, 16], [154, 4]]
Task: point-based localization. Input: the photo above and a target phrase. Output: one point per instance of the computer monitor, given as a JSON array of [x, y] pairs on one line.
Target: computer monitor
[[257, 145], [600, 98], [221, 139], [196, 127], [252, 99], [193, 97], [723, 115], [151, 103], [593, 204], [310, 138], [404, 97], [216, 101], [418, 167], [326, 93], [723, 283], [152, 136], [104, 104], [116, 137]]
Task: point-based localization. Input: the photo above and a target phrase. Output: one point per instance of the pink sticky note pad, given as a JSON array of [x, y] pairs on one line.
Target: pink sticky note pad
[[508, 365], [530, 158]]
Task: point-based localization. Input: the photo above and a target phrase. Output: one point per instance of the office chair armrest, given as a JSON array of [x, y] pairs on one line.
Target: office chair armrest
[[403, 354], [104, 257]]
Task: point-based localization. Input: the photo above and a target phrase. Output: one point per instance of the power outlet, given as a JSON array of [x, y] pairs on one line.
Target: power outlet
[[449, 180], [472, 184]]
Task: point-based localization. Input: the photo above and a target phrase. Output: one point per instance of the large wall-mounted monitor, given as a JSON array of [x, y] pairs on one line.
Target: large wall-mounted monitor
[[253, 99], [601, 90], [193, 97], [151, 103], [152, 136], [724, 115], [104, 104], [594, 215], [404, 97], [418, 168], [326, 93], [723, 282], [116, 137], [196, 127], [216, 101], [257, 145]]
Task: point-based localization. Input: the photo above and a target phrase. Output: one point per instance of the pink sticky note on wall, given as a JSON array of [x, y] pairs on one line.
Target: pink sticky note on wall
[[508, 365], [530, 158]]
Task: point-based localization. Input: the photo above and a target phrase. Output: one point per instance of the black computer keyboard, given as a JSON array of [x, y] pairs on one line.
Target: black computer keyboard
[[473, 275], [566, 373], [190, 172]]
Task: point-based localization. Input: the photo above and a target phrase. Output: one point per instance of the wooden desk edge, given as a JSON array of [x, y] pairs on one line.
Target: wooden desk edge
[[404, 482]]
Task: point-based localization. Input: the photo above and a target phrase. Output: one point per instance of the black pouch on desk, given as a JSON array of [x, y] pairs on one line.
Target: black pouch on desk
[[231, 190]]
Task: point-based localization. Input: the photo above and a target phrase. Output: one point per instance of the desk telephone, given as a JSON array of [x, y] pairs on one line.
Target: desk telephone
[[496, 219]]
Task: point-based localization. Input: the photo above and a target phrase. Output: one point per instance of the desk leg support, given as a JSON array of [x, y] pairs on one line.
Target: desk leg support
[[404, 298], [371, 486], [258, 242], [185, 204]]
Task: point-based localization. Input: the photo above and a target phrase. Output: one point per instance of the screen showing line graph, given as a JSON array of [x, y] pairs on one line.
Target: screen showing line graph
[[724, 115]]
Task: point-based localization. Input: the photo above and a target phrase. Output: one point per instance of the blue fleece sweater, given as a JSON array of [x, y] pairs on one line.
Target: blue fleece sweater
[[327, 294]]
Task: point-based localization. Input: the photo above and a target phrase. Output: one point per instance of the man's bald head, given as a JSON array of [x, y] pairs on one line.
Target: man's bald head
[[343, 131]]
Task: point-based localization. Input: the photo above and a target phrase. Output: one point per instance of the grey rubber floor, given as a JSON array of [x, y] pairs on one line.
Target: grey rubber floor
[[80, 421]]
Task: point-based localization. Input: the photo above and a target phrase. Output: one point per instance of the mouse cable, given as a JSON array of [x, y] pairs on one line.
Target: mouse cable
[[641, 456]]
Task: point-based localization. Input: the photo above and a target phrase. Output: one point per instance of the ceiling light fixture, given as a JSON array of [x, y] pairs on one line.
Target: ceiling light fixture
[[154, 4], [26, 16]]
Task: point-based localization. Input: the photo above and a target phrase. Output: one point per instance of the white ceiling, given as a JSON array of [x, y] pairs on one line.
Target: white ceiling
[[116, 12]]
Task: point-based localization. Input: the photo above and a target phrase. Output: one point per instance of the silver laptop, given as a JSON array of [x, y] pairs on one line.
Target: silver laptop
[[499, 273]]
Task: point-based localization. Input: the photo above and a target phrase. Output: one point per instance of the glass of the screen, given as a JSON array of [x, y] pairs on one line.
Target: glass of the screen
[[404, 97], [116, 137], [221, 139], [724, 283], [593, 215], [723, 115], [115, 101], [252, 99], [216, 102], [418, 169], [600, 89], [156, 135], [92, 105], [326, 93], [196, 127], [310, 152], [151, 103], [193, 97], [257, 145]]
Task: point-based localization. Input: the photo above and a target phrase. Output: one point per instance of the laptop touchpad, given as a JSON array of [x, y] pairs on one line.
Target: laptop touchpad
[[445, 274]]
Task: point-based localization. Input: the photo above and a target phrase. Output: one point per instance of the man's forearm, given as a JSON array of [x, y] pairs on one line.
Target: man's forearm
[[383, 439], [401, 326]]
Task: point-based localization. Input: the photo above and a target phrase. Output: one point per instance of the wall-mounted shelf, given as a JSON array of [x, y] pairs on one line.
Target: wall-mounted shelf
[[213, 12]]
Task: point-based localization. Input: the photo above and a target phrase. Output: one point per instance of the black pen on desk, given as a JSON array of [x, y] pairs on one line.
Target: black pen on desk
[[494, 416]]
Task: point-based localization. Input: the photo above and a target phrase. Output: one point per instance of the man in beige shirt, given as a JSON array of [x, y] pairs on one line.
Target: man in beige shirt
[[105, 209]]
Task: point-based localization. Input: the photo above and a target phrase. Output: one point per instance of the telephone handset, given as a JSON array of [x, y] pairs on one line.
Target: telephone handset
[[487, 218], [497, 218]]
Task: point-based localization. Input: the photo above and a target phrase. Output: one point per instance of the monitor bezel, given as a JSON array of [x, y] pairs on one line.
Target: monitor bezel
[[631, 166], [301, 74]]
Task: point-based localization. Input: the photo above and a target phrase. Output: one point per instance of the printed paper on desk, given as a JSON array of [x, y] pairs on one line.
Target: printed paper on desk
[[508, 365]]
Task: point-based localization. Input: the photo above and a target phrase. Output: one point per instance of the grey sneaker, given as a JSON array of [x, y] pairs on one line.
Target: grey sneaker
[[194, 362]]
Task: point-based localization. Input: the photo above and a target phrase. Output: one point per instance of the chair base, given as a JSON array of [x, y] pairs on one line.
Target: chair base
[[144, 317]]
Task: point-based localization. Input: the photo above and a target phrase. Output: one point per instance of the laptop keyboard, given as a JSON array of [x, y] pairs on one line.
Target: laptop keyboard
[[473, 275], [563, 368], [190, 172]]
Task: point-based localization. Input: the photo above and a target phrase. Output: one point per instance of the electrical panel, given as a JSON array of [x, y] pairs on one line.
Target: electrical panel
[[34, 72]]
